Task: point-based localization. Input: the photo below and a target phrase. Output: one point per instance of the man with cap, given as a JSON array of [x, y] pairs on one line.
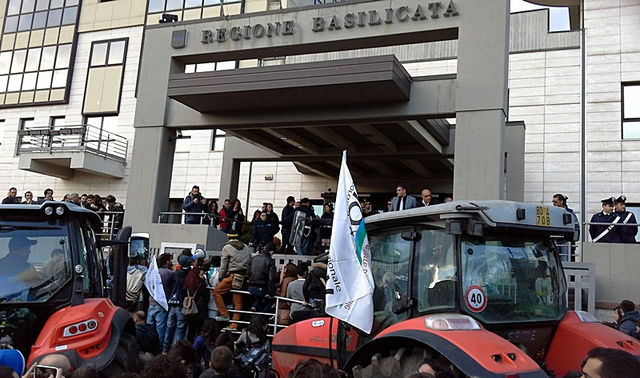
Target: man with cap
[[15, 263], [603, 233], [624, 234]]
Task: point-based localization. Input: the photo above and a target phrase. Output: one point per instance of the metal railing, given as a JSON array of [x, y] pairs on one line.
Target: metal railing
[[109, 225], [275, 326], [178, 217], [73, 138], [581, 286]]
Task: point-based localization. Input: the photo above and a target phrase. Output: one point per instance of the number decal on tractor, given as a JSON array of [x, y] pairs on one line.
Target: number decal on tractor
[[543, 218], [475, 298]]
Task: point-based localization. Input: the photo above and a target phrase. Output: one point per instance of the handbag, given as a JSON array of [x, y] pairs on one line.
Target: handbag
[[238, 281], [189, 305]]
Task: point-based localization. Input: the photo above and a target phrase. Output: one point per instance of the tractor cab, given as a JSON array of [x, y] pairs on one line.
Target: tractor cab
[[493, 261], [477, 286], [47, 261], [52, 287]]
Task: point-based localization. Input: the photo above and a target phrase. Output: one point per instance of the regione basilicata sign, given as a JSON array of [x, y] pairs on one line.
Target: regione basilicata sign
[[422, 12], [390, 15]]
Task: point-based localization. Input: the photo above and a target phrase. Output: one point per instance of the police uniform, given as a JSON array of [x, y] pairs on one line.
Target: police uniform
[[603, 233], [624, 234]]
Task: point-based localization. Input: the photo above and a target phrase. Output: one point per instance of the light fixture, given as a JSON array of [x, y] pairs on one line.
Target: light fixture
[[168, 17]]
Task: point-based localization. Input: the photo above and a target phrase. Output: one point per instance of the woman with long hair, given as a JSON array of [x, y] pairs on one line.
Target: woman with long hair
[[237, 217]]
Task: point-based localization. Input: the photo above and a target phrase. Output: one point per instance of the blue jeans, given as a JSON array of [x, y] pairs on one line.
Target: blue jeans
[[303, 248], [157, 316], [260, 303], [176, 327]]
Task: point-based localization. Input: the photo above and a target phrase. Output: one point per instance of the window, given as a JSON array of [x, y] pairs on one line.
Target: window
[[390, 266], [630, 110], [217, 140], [108, 53], [25, 15], [33, 68], [517, 278], [156, 6], [211, 66], [99, 133]]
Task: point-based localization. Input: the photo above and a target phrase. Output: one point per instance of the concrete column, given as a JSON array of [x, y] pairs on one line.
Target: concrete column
[[230, 175], [150, 176], [481, 102]]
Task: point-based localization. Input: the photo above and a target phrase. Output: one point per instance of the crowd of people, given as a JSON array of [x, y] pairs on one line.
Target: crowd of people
[[109, 209], [302, 230]]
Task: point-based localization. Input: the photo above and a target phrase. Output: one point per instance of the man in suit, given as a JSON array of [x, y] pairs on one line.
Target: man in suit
[[402, 201]]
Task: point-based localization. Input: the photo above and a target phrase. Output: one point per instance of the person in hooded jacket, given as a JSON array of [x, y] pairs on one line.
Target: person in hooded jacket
[[627, 316], [234, 261]]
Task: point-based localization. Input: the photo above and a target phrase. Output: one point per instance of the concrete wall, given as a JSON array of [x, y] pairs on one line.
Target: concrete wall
[[616, 272], [612, 56]]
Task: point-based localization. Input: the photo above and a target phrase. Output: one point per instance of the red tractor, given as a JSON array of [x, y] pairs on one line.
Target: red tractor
[[476, 285], [52, 288]]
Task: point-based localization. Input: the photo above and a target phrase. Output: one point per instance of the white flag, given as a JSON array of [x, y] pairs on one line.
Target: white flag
[[153, 282], [350, 284]]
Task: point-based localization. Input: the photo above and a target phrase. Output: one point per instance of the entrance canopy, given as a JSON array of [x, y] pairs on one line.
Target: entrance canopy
[[402, 149]]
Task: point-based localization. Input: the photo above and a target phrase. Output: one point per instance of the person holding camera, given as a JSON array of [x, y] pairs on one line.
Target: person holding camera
[[193, 203]]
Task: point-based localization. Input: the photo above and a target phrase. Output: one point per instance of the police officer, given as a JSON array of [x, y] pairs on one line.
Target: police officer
[[603, 233], [624, 234]]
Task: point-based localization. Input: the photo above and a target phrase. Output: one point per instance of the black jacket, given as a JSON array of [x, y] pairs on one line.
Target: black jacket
[[262, 272], [287, 217], [314, 284], [147, 338], [261, 232]]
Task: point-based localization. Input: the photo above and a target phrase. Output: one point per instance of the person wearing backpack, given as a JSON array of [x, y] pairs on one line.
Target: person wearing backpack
[[136, 274], [176, 326]]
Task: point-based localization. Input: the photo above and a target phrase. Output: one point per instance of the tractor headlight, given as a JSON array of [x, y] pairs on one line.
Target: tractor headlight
[[48, 210], [451, 322], [60, 210]]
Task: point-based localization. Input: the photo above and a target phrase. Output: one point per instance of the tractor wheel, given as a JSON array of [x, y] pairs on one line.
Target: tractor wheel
[[398, 362], [126, 358]]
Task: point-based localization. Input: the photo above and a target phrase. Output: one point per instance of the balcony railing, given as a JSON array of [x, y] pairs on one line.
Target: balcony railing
[[79, 138]]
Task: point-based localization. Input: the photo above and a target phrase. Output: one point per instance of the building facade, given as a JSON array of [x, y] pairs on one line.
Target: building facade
[[69, 92]]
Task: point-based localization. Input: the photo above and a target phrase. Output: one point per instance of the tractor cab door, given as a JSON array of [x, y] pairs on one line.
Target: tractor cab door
[[391, 258], [87, 259], [414, 270]]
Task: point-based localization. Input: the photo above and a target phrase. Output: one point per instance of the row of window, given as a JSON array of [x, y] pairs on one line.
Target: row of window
[[156, 6], [28, 6], [41, 20], [35, 59], [34, 80]]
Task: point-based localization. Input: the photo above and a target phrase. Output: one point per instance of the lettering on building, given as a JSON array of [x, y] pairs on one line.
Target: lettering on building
[[432, 10], [256, 31]]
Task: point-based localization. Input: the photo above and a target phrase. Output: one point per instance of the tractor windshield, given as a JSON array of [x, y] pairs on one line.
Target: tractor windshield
[[34, 261], [511, 279]]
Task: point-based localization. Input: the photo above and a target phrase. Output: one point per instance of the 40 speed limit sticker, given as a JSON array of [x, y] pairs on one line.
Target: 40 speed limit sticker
[[475, 298]]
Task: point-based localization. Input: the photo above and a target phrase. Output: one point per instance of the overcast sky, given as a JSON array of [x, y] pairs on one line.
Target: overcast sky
[[559, 15]]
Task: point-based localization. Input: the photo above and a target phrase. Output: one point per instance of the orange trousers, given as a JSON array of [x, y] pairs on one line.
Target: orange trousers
[[222, 288]]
